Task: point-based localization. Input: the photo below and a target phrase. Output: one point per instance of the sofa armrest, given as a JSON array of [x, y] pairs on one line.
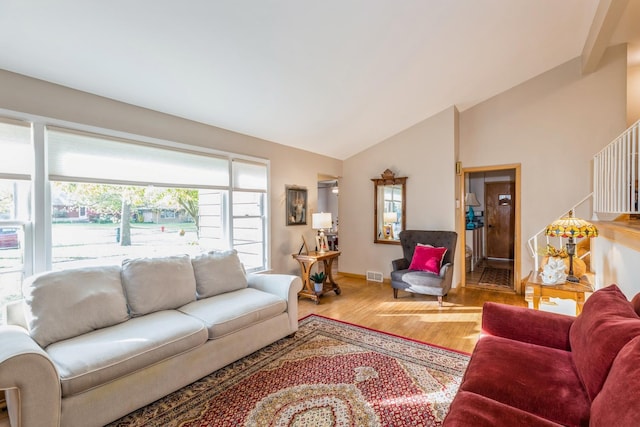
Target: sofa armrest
[[399, 264], [30, 379], [14, 313], [286, 286], [527, 325]]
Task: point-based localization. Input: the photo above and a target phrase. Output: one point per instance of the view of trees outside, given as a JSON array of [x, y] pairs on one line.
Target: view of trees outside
[[88, 227], [107, 223]]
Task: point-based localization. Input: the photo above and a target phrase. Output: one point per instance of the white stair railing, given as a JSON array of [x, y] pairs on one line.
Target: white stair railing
[[615, 176], [615, 189], [538, 243]]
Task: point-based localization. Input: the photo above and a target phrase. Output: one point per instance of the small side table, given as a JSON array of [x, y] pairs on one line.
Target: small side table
[[307, 261], [566, 290]]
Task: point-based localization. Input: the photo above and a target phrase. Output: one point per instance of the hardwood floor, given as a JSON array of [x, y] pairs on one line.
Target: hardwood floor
[[455, 325]]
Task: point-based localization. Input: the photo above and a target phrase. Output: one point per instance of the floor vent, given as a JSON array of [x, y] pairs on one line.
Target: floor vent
[[374, 276]]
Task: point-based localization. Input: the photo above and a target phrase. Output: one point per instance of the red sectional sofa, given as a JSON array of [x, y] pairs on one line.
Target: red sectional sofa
[[534, 368]]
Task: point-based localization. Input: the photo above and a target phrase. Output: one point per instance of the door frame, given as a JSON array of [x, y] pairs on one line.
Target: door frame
[[517, 243]]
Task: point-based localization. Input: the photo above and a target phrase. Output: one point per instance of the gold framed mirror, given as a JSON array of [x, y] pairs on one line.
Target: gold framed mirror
[[389, 207]]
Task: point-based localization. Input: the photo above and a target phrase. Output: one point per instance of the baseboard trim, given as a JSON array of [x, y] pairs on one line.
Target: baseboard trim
[[363, 277]]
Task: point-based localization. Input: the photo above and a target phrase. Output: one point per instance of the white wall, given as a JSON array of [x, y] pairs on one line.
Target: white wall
[[425, 154], [289, 166], [615, 263], [633, 94], [552, 125]]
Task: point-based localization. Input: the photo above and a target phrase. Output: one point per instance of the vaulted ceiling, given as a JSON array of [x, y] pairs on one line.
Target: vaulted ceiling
[[332, 77]]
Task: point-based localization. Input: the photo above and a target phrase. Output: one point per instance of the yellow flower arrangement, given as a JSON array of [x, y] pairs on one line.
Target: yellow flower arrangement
[[579, 266], [552, 251]]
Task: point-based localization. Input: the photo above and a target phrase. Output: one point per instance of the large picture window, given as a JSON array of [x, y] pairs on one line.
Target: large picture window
[[109, 198], [146, 200]]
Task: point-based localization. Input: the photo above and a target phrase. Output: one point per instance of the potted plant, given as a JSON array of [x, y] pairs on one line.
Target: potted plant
[[318, 281]]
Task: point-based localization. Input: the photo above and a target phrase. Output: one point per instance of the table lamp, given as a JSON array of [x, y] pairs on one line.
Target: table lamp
[[389, 218], [321, 221], [470, 200], [572, 228]]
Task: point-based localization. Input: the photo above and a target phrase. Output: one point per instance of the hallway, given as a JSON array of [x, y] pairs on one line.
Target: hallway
[[492, 275]]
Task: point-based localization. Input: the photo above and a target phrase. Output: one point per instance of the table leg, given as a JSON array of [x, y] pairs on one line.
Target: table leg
[[537, 294], [307, 286], [579, 302], [327, 269]]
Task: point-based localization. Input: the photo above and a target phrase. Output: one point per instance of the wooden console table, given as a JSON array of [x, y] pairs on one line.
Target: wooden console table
[[566, 290], [307, 261]]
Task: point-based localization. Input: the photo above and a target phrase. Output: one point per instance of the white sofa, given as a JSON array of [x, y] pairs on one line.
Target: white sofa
[[87, 346]]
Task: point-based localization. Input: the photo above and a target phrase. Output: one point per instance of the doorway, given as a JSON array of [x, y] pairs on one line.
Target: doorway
[[491, 234], [498, 199], [328, 201]]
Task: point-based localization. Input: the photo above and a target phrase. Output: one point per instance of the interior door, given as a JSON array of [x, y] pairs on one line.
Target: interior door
[[500, 219]]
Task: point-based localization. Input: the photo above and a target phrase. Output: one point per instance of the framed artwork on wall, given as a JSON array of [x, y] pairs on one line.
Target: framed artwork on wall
[[296, 205]]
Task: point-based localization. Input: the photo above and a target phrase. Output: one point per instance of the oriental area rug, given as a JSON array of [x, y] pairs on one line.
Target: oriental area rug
[[330, 374]]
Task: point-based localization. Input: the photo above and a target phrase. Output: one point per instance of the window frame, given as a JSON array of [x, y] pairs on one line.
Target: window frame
[[38, 231]]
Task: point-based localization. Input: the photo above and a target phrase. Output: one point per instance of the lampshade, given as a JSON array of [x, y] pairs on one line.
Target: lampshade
[[471, 200], [335, 189], [569, 226], [390, 217], [321, 220]]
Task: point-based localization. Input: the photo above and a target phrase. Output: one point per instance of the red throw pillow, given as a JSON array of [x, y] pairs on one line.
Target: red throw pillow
[[427, 258], [606, 324], [617, 402]]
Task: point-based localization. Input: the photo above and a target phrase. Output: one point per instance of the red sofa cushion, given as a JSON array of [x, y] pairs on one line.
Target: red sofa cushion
[[530, 326], [470, 409], [536, 379], [608, 321], [617, 403]]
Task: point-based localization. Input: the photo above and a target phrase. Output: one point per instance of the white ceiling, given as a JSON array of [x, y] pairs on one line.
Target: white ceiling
[[332, 76]]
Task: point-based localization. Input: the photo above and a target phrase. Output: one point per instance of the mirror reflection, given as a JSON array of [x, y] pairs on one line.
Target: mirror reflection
[[389, 207]]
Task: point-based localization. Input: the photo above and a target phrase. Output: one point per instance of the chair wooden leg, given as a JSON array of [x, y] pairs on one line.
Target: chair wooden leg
[[395, 293], [440, 301]]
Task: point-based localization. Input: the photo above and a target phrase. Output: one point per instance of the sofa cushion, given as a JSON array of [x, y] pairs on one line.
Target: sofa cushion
[[65, 304], [100, 356], [154, 284], [523, 324], [231, 311], [217, 273], [422, 281], [470, 409], [606, 324], [617, 402], [536, 379]]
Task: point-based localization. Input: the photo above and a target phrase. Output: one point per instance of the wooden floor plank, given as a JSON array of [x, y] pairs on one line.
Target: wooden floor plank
[[455, 325]]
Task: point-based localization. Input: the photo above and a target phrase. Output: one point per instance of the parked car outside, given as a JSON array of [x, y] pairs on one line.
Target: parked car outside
[[9, 238]]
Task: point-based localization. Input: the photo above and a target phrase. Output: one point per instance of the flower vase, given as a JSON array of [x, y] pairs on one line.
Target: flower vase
[[318, 286]]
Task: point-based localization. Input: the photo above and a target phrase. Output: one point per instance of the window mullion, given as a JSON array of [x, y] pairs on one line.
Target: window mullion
[[40, 241]]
